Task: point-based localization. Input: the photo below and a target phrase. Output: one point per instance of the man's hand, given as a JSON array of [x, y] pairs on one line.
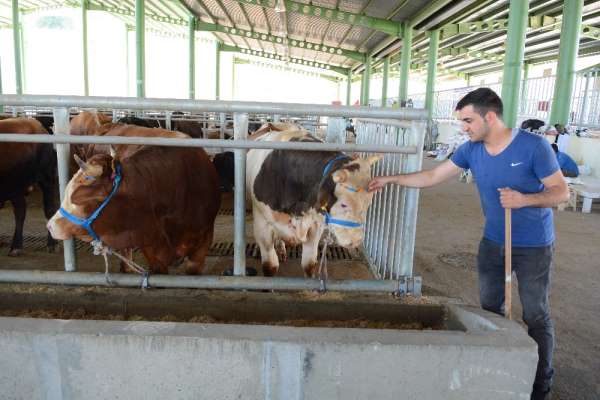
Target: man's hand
[[379, 182], [512, 199]]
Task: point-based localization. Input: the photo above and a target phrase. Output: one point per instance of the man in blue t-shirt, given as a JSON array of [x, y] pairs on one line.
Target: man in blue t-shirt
[[518, 170], [566, 164]]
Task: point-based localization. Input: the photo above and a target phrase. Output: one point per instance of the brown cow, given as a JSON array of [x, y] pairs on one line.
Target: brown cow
[[166, 204], [23, 165], [86, 122]]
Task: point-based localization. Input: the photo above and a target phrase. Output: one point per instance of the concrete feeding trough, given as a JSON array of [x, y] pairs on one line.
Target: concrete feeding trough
[[254, 345]]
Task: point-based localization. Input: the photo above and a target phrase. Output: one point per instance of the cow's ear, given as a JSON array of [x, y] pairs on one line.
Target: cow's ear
[[373, 159], [340, 176]]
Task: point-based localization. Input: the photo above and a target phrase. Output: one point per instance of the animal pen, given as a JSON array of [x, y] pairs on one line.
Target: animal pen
[[391, 222]]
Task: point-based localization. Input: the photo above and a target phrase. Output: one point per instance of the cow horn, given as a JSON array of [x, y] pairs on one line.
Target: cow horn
[[113, 152], [82, 164]]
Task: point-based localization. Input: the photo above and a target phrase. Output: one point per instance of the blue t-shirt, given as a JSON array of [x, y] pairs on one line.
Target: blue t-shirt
[[521, 166], [566, 163]]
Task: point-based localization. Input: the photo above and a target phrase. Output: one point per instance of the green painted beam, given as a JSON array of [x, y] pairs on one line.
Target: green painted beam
[[84, 38], [277, 57], [462, 51], [140, 51], [405, 63], [534, 22], [348, 87], [192, 57], [591, 32], [218, 71], [434, 43], [17, 46], [333, 15], [243, 61], [367, 79], [301, 44], [567, 55], [131, 13], [384, 85], [513, 63], [431, 8]]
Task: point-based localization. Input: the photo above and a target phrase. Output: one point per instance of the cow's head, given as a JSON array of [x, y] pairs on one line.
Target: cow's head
[[351, 200], [85, 192]]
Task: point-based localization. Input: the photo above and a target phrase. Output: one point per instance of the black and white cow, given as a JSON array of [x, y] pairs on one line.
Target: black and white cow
[[297, 194]]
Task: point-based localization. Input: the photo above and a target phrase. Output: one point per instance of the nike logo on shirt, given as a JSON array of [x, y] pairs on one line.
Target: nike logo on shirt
[[515, 164]]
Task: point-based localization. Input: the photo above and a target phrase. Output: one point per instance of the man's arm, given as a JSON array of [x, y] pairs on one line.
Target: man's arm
[[556, 191], [421, 179]]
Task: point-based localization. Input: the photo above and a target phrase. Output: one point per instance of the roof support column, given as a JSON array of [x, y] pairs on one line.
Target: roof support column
[[84, 34], [1, 106], [513, 61], [567, 54], [407, 35], [434, 45], [367, 80], [524, 83], [384, 86], [349, 87], [17, 46], [362, 88], [192, 57], [218, 72], [140, 52]]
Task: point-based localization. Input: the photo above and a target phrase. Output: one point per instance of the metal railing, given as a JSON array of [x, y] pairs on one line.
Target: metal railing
[[410, 145], [391, 219]]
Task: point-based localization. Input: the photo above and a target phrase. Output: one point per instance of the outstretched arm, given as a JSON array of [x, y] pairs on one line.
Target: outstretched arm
[[421, 179]]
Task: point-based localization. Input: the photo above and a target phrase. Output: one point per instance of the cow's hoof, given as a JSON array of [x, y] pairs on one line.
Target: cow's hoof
[[249, 272], [15, 252]]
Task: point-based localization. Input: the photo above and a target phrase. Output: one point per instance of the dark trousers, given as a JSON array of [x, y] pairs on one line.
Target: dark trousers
[[532, 266]]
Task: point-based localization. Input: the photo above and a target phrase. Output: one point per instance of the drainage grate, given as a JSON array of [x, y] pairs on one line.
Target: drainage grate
[[229, 211], [219, 249], [252, 250]]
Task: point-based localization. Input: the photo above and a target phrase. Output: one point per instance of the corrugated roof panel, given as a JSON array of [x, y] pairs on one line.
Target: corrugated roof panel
[[256, 15], [356, 36], [336, 33], [234, 9], [275, 21], [213, 7], [352, 6]]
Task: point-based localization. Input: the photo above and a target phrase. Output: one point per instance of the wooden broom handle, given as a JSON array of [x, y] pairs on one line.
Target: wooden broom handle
[[507, 263]]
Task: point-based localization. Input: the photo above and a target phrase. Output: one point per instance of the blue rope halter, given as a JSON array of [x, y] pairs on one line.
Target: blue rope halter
[[87, 223], [329, 220]]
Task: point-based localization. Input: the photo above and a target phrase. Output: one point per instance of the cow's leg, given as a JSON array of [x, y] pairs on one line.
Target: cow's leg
[[157, 258], [19, 211], [194, 265], [264, 235], [128, 254], [49, 198], [281, 250], [310, 252]]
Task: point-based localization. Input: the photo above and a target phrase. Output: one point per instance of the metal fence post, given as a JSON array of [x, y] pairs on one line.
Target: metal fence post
[[168, 120], [411, 206], [61, 127], [240, 132]]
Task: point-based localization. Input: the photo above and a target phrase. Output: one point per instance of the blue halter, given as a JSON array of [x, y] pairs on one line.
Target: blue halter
[[87, 223], [329, 220]]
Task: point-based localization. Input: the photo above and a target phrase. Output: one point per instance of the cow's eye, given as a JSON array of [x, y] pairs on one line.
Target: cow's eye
[[344, 205]]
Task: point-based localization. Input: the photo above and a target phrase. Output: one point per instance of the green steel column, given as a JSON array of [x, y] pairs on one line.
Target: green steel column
[[17, 46], [384, 86], [192, 56], [84, 32], [407, 35], [349, 87], [523, 97], [127, 79], [367, 79], [218, 72], [1, 106], [434, 45], [140, 52], [513, 61], [361, 98], [567, 54]]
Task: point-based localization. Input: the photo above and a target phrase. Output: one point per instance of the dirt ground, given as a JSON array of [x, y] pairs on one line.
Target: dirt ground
[[448, 231]]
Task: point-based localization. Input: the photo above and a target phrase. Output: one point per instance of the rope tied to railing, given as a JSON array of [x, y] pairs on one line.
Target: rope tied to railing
[[105, 251]]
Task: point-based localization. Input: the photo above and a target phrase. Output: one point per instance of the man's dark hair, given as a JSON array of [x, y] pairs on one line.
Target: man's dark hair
[[554, 147], [483, 100]]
